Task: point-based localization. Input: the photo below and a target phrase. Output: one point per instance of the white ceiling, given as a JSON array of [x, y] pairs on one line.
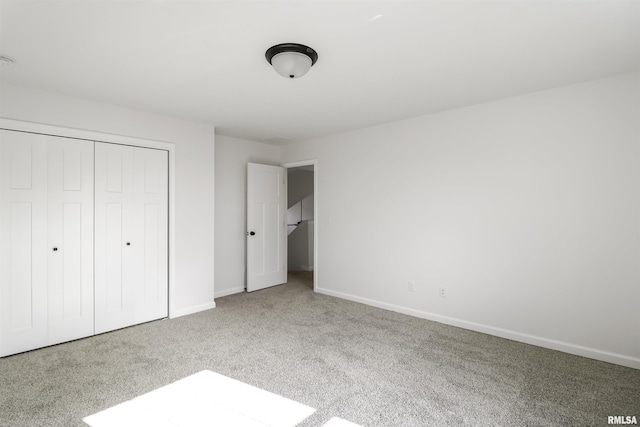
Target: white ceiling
[[378, 61]]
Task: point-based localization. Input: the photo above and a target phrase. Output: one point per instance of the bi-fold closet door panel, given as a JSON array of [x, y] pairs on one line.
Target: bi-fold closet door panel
[[23, 239], [70, 239], [131, 236], [58, 283], [46, 240]]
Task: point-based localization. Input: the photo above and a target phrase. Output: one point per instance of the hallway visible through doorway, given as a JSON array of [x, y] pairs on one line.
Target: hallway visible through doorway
[[300, 218]]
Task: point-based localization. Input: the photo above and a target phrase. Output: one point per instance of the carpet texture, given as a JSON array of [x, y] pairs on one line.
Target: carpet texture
[[366, 365]]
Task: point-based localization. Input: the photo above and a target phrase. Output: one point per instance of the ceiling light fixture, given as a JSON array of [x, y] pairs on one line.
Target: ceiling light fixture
[[5, 61], [291, 60]]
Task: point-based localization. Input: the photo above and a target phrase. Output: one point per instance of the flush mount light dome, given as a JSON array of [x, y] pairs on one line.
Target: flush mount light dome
[[4, 61], [291, 60]]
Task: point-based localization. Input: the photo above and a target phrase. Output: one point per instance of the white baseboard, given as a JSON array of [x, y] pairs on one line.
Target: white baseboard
[[605, 356], [193, 309], [231, 291]]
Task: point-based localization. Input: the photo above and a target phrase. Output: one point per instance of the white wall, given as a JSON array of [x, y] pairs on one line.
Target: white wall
[[232, 156], [300, 248], [194, 204], [300, 185], [526, 210]]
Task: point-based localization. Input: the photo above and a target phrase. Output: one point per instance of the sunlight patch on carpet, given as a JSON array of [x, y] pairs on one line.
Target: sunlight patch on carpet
[[339, 422], [204, 399]]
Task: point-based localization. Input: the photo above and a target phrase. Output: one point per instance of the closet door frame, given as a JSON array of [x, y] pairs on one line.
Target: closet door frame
[[91, 137]]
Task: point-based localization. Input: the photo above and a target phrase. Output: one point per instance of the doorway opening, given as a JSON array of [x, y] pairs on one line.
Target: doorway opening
[[302, 221]]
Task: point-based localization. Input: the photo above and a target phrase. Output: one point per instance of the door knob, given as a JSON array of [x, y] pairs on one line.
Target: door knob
[[55, 249], [252, 233], [128, 243]]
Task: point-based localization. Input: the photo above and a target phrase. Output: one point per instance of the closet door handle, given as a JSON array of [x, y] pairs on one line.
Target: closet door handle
[[128, 243], [55, 249]]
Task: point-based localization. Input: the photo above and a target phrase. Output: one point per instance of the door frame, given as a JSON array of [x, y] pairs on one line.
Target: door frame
[[22, 126], [316, 220]]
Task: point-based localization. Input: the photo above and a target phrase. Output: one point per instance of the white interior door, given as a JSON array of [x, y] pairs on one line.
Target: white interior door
[[266, 226], [70, 239], [23, 242], [131, 217]]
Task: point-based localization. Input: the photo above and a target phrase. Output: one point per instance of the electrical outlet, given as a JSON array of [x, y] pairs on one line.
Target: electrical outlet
[[442, 292], [412, 286]]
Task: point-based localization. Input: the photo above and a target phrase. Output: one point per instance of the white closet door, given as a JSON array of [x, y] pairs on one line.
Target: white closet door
[[151, 205], [23, 242], [113, 259], [131, 236], [70, 235]]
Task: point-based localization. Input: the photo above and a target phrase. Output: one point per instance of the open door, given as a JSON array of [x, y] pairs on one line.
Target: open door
[[266, 226]]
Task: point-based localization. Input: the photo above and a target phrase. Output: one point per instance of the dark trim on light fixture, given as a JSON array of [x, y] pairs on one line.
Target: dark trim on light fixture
[[291, 47], [6, 61]]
